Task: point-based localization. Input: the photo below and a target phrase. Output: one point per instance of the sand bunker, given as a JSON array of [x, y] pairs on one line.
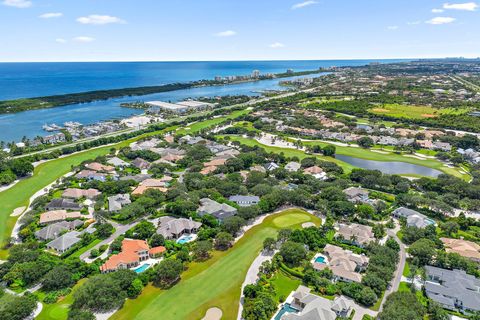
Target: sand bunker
[[17, 211], [213, 314]]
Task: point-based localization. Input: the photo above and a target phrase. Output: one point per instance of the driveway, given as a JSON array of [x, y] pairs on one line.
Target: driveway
[[395, 283], [119, 230]]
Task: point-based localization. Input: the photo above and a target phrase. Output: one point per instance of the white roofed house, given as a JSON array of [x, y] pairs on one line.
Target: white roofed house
[[116, 202], [292, 166], [413, 218], [271, 166], [309, 306], [117, 162], [65, 242]]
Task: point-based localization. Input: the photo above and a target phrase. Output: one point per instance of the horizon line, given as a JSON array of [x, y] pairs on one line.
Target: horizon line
[[246, 60]]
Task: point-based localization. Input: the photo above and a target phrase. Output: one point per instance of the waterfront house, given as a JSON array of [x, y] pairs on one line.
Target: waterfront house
[[218, 210], [174, 228], [244, 201]]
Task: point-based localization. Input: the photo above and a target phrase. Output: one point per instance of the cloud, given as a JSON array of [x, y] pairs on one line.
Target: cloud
[[226, 33], [440, 20], [303, 4], [17, 3], [60, 40], [467, 6], [392, 27], [50, 15], [276, 45], [97, 19], [437, 10], [83, 39]]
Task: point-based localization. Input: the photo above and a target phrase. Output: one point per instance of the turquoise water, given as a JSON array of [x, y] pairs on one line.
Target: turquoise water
[[320, 259], [142, 268], [29, 123], [185, 239], [286, 308], [430, 221], [26, 80]]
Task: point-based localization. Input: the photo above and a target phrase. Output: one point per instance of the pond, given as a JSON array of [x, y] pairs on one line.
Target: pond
[[393, 167]]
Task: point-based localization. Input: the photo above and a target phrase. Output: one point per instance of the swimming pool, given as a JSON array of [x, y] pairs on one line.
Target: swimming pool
[[142, 268], [286, 308], [185, 238], [320, 259]]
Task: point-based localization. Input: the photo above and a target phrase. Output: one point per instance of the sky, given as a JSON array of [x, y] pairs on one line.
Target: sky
[[207, 30]]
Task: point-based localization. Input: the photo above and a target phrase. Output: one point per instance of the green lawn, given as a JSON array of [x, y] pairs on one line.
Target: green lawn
[[59, 310], [48, 172], [406, 269], [414, 112], [284, 284], [197, 126], [77, 253], [216, 282]]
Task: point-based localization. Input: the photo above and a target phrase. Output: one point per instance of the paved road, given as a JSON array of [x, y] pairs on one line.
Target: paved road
[[120, 229], [394, 285]]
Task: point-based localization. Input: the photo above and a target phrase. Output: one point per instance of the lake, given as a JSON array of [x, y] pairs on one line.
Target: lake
[[394, 167]]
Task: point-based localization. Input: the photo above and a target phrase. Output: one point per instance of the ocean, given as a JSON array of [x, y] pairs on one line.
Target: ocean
[[27, 80]]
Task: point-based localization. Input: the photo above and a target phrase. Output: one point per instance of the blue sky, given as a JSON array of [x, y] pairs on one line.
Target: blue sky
[[134, 30]]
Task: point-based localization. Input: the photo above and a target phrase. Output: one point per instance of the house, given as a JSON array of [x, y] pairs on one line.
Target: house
[[208, 170], [271, 166], [292, 166], [312, 307], [453, 289], [75, 193], [58, 215], [173, 228], [218, 210], [316, 172], [357, 234], [117, 162], [345, 265], [244, 201], [258, 168], [52, 231], [65, 242], [91, 175], [141, 164], [116, 202], [133, 252], [467, 249], [157, 184], [95, 166], [414, 218], [356, 195], [62, 204]]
